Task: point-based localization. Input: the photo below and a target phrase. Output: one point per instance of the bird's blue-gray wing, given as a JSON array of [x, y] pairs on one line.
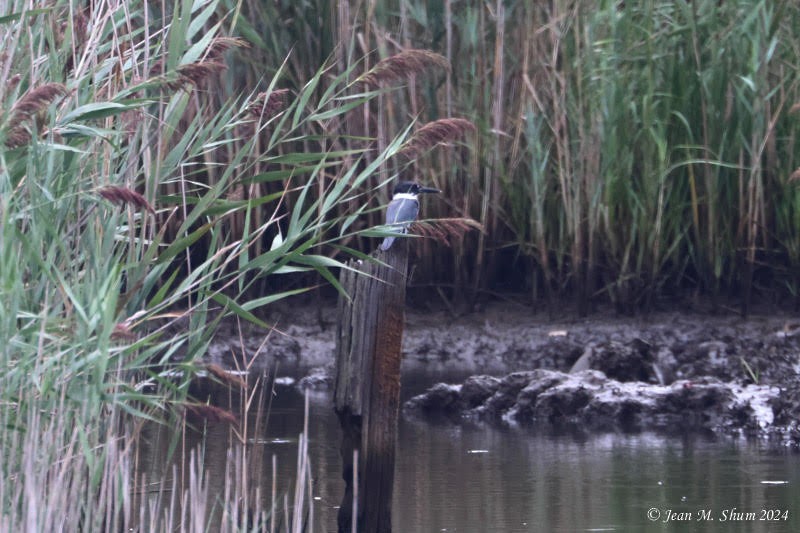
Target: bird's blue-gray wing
[[402, 211]]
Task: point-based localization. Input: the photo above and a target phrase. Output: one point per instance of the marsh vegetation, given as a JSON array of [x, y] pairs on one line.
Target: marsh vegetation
[[164, 165]]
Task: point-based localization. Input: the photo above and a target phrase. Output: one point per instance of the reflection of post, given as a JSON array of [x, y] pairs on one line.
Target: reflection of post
[[367, 393]]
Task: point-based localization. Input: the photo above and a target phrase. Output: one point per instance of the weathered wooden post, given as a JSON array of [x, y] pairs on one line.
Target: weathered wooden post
[[367, 390]]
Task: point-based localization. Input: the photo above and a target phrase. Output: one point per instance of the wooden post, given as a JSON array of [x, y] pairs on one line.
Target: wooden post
[[367, 389]]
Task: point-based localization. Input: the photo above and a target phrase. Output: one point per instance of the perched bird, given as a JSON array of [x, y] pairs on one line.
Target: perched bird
[[403, 208]]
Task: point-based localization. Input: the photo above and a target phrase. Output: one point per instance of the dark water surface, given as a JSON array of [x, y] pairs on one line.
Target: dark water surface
[[479, 479]]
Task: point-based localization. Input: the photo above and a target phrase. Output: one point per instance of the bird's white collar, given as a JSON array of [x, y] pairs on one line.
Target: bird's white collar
[[404, 196]]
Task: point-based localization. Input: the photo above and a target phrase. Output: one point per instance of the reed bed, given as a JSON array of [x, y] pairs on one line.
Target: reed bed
[[625, 152], [55, 484], [142, 201]]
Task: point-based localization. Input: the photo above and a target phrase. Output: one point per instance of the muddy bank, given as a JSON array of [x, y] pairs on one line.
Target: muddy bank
[[665, 371]]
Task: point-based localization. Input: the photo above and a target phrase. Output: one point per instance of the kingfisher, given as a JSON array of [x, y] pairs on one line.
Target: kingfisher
[[403, 208]]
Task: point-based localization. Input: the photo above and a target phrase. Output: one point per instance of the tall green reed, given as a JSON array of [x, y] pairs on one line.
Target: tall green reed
[[655, 137], [141, 202]]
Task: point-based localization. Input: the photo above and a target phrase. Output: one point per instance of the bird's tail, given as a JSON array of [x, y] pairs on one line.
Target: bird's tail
[[387, 243]]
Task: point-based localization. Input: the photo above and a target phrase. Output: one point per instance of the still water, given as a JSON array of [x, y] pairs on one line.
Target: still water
[[478, 479]]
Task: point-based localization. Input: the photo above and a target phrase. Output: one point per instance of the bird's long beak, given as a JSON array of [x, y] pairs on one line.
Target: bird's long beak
[[429, 190]]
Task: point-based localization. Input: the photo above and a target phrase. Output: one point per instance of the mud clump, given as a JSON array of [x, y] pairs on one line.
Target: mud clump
[[589, 399], [725, 376]]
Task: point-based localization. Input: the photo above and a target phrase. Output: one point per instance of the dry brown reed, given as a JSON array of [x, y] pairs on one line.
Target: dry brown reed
[[434, 133], [211, 413], [122, 331], [80, 26], [34, 101], [13, 81], [123, 195], [402, 65], [225, 377]]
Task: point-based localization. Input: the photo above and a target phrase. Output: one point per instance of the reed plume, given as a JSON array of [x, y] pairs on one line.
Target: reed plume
[[402, 65], [268, 103], [123, 195], [444, 230], [220, 45], [434, 133], [195, 73], [34, 101]]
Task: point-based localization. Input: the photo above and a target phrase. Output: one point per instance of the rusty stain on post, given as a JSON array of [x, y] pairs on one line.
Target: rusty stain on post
[[367, 389]]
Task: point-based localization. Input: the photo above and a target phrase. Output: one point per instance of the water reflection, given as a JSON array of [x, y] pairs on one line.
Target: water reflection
[[532, 482], [477, 479]]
